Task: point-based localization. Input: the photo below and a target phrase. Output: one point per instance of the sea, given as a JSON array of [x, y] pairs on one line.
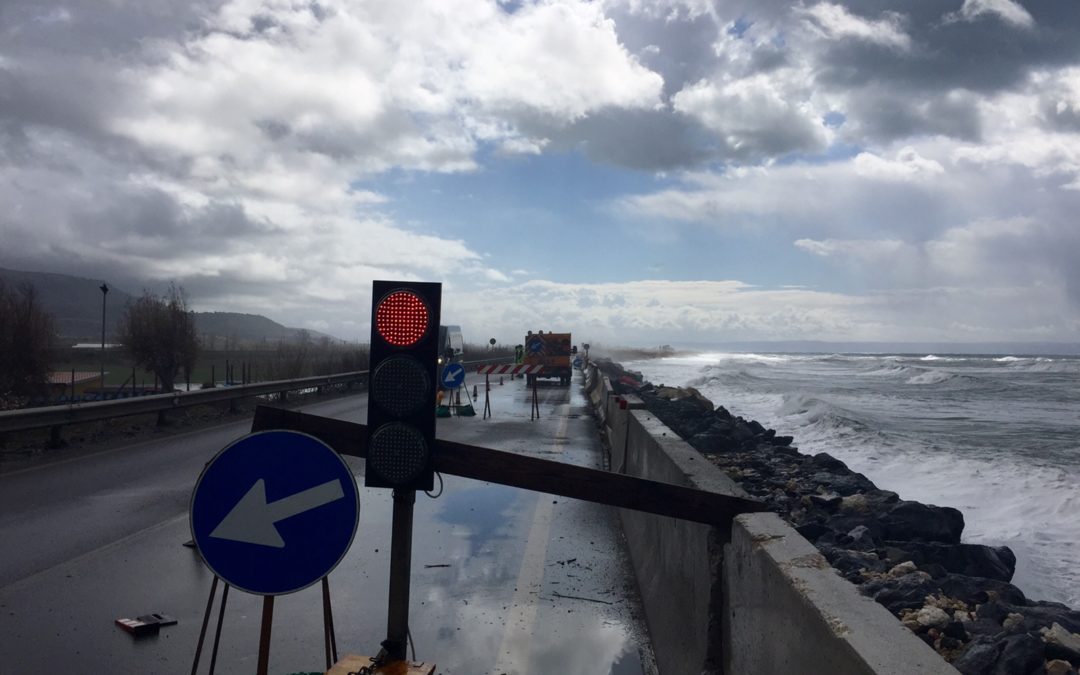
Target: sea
[[995, 436]]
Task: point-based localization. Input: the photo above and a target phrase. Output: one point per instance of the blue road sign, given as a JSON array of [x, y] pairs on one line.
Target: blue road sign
[[274, 512], [536, 346], [453, 376], [577, 362]]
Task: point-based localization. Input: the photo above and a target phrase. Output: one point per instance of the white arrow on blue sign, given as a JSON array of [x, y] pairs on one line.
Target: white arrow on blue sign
[[274, 512], [453, 376]]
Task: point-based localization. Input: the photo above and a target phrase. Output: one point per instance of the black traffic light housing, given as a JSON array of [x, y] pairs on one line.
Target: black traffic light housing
[[401, 391]]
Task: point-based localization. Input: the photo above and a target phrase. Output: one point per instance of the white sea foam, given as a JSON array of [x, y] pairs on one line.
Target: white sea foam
[[930, 377]]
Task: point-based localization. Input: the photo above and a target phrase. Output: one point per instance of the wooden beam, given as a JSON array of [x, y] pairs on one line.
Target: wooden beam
[[530, 473], [346, 438]]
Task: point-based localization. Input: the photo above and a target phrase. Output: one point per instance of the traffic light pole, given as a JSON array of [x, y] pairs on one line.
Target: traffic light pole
[[397, 620]]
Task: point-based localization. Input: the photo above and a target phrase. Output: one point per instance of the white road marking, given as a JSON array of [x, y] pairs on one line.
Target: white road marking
[[513, 657]]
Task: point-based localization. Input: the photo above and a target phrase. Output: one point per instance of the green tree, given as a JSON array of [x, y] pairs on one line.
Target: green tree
[[159, 334], [26, 345]]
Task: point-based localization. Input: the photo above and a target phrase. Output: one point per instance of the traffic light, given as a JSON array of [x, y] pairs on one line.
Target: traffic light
[[401, 393]]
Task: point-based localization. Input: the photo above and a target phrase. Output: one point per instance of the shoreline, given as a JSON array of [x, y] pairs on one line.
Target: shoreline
[[904, 554]]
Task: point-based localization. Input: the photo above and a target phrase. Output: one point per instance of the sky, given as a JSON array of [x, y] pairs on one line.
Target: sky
[[637, 172]]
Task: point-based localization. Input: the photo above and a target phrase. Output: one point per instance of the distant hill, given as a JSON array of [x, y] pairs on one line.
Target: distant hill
[[246, 328], [75, 303]]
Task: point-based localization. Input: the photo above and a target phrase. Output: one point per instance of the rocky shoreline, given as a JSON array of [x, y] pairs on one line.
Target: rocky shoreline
[[904, 554]]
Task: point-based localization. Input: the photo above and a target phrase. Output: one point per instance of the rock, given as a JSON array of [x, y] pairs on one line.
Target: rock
[[1061, 644], [975, 560], [862, 537], [1059, 667], [1012, 621], [932, 617], [976, 590], [906, 592], [1015, 655], [812, 531], [857, 503], [902, 569], [852, 564], [830, 502], [843, 484], [824, 460], [1049, 613], [955, 630], [912, 520], [785, 450]]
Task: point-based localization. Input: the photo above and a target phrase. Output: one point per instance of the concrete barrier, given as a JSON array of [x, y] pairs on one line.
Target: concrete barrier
[[757, 598]]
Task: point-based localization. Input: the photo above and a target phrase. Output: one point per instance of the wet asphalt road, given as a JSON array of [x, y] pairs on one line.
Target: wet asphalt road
[[504, 580]]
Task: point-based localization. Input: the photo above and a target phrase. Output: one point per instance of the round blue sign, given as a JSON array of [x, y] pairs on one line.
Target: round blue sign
[[536, 346], [453, 376], [274, 512]]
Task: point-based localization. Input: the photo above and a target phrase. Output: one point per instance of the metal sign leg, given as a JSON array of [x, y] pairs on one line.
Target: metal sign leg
[[205, 623], [328, 625], [217, 631], [264, 635], [534, 412], [487, 396]]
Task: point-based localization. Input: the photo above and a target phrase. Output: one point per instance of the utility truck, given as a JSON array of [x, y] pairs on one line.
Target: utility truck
[[552, 351]]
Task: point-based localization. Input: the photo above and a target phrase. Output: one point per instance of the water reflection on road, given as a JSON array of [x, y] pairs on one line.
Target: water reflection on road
[[566, 610]]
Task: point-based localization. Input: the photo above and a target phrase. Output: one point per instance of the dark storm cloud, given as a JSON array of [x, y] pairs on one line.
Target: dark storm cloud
[[884, 115], [985, 54], [651, 140], [679, 49], [95, 28], [166, 228]]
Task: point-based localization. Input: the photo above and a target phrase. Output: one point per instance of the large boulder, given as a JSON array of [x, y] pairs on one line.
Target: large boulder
[[1019, 654], [912, 520], [976, 560]]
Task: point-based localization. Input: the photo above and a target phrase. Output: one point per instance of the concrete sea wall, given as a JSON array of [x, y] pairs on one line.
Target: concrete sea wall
[[758, 598]]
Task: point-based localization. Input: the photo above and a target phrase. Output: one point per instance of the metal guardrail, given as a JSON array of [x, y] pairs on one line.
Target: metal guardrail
[[59, 415], [56, 416]]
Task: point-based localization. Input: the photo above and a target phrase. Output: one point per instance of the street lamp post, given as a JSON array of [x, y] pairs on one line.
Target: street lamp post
[[104, 292]]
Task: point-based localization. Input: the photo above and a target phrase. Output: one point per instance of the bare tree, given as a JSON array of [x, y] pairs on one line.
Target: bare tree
[[159, 333], [26, 345]]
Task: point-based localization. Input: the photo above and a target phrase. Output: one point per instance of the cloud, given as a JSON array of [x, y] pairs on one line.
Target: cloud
[[261, 153], [835, 22], [1007, 10], [871, 249], [907, 166]]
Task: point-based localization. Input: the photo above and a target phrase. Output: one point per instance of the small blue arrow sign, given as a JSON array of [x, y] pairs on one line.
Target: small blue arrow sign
[[453, 376], [274, 512], [536, 346]]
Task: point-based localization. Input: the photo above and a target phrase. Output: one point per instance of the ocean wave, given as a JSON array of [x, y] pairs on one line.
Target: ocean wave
[[1039, 364], [805, 411], [721, 376], [932, 377], [894, 370]]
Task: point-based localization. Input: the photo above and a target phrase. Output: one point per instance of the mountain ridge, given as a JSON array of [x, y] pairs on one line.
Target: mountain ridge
[[76, 304]]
